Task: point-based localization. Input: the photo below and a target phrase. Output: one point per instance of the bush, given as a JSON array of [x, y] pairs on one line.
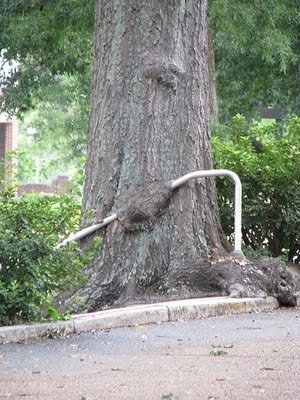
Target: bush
[[267, 160], [31, 270]]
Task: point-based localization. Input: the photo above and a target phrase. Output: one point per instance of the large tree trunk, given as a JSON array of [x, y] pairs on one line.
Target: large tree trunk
[[213, 98], [149, 125]]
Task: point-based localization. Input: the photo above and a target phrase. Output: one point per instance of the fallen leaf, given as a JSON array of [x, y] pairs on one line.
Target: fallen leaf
[[218, 353], [256, 386]]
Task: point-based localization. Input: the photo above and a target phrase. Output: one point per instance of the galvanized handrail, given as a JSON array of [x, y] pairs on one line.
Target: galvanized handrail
[[175, 184]]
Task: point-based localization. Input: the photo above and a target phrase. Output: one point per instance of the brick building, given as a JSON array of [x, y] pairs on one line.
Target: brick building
[[8, 135]]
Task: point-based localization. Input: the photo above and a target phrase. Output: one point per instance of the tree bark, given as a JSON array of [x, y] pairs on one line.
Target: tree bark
[[213, 98], [149, 125]]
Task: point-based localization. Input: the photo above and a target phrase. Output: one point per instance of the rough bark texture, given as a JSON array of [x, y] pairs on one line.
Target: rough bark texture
[[213, 98], [149, 125]]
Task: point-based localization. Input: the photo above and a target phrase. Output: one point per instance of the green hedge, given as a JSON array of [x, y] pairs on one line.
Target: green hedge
[[32, 271], [267, 160]]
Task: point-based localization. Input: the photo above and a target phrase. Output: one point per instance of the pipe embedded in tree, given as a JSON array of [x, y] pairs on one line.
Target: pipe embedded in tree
[[147, 203]]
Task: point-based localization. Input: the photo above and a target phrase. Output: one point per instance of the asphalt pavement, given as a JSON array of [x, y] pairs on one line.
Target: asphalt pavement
[[255, 355]]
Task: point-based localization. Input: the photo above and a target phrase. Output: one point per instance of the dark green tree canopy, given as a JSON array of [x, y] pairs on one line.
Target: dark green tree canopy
[[54, 33], [257, 47], [45, 38]]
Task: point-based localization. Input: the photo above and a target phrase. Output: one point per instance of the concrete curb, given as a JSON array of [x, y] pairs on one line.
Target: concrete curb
[[138, 315]]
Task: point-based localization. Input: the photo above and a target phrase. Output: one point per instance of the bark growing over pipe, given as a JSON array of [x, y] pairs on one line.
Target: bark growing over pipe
[[142, 206]]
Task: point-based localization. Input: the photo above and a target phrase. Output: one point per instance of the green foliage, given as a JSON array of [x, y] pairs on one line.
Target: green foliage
[[53, 134], [46, 53], [57, 316], [257, 55], [32, 271], [78, 179], [267, 160], [256, 47], [46, 38]]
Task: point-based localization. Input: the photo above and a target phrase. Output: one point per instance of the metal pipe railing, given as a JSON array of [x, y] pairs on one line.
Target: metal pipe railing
[[174, 185], [237, 197]]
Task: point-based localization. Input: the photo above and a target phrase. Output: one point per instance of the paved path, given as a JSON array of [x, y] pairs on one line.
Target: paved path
[[239, 357]]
